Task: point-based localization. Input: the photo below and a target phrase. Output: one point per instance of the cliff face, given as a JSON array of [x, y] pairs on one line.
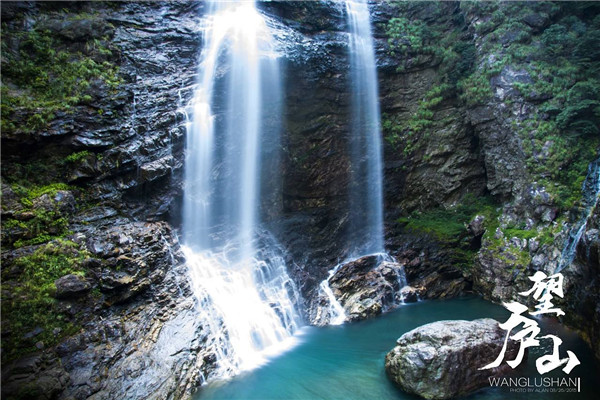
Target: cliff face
[[484, 133], [489, 126], [88, 189]]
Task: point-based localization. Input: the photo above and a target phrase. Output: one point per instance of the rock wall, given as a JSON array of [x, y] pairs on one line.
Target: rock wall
[[109, 169]]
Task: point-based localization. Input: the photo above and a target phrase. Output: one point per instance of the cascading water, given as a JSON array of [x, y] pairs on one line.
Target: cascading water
[[245, 296], [366, 188], [591, 194], [366, 193], [335, 312]]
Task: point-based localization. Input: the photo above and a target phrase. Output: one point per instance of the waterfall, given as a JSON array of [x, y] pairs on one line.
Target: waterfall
[[245, 296], [366, 192], [591, 194], [366, 188]]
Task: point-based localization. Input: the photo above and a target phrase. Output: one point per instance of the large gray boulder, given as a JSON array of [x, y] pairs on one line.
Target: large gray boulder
[[441, 360]]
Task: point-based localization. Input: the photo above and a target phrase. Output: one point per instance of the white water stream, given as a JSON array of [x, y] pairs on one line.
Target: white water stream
[[366, 187], [245, 296], [366, 192]]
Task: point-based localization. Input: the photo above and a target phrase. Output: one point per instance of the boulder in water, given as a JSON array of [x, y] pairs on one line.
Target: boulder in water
[[441, 360], [367, 286]]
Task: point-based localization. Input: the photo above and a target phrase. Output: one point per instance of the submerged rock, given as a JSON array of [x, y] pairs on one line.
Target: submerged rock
[[441, 360]]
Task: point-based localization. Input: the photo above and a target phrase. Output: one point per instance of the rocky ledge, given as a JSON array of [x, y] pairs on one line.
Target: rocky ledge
[[134, 311], [441, 360], [368, 286]]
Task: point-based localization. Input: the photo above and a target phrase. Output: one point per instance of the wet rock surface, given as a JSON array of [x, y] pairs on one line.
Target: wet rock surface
[[71, 286], [39, 376], [441, 360], [429, 266], [368, 286], [139, 333], [410, 294], [142, 321]]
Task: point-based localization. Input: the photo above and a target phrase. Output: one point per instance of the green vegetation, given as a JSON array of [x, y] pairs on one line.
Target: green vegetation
[[28, 194], [415, 41], [42, 75], [35, 225], [48, 68], [407, 132], [560, 136], [563, 136], [407, 38], [510, 255], [76, 157], [520, 233], [29, 304], [448, 226], [555, 43]]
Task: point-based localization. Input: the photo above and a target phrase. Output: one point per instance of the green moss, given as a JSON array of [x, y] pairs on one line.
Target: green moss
[[35, 191], [406, 38], [29, 303], [407, 132], [450, 225], [42, 75], [36, 225], [76, 157], [433, 36], [512, 256], [563, 60], [520, 233], [44, 226], [476, 89], [434, 222], [561, 137]]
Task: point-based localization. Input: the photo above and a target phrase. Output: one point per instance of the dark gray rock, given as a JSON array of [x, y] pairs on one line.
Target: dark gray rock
[[93, 26], [538, 21], [64, 201], [150, 332], [70, 286], [368, 286], [84, 169], [35, 377], [132, 257], [156, 169], [428, 266], [441, 360], [11, 206], [476, 226], [33, 333]]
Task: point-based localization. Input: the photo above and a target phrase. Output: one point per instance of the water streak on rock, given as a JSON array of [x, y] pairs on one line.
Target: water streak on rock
[[591, 194]]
